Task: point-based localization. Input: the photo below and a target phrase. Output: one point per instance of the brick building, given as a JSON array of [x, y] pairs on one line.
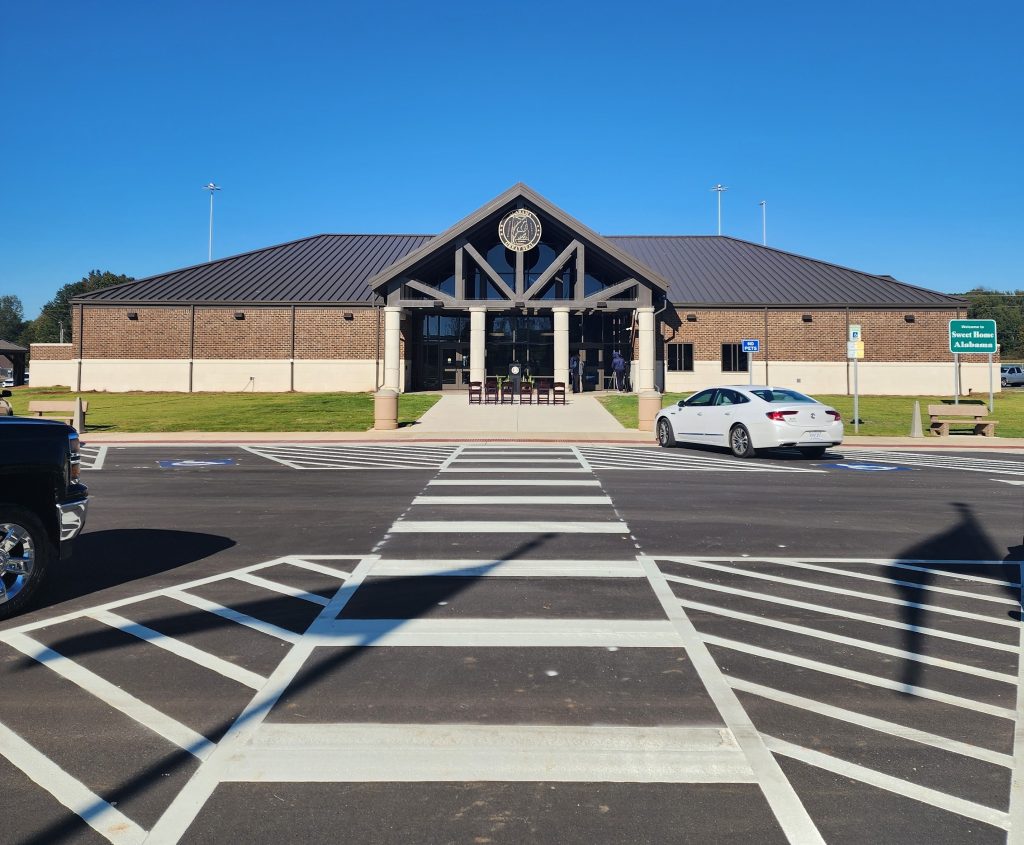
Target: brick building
[[518, 279]]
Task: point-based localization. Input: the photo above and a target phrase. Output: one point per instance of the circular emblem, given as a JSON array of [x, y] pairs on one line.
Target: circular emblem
[[519, 230], [514, 369]]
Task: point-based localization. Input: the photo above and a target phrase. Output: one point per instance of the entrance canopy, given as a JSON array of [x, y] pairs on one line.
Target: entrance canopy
[[519, 251]]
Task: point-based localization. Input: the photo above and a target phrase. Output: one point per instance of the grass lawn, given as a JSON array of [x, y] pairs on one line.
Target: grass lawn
[[887, 416], [124, 412]]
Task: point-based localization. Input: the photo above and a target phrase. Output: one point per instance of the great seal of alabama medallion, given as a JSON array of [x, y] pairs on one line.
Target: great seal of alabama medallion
[[519, 230]]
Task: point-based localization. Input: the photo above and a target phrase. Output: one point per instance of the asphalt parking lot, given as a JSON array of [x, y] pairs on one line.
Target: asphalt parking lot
[[489, 643]]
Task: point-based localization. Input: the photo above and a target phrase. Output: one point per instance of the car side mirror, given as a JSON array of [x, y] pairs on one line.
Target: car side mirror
[[682, 403]]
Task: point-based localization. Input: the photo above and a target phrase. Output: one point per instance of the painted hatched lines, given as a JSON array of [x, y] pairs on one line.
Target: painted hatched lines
[[790, 656], [353, 456], [233, 615], [93, 457], [993, 466], [511, 568], [656, 460], [434, 753]]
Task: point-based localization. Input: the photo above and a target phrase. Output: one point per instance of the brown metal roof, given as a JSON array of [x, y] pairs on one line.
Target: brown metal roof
[[701, 271]]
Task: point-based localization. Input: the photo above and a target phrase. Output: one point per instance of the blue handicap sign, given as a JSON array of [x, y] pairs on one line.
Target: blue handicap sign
[[866, 467], [190, 464], [751, 346]]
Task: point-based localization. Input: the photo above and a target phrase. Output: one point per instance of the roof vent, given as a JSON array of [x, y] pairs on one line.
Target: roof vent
[[691, 318], [807, 318], [909, 318], [133, 315], [239, 315]]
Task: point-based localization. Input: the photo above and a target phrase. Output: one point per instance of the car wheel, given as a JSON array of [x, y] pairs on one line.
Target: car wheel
[[739, 442], [812, 451], [25, 555], [1003, 383], [665, 436]]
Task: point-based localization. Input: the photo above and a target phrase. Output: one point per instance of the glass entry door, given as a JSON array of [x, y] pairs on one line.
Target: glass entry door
[[454, 362]]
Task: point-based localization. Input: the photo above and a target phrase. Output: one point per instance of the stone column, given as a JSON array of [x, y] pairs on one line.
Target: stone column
[[385, 401], [477, 344], [562, 345], [649, 400]]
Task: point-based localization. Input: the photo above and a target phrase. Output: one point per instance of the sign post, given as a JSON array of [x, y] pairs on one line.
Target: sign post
[[972, 336], [750, 347], [855, 351]]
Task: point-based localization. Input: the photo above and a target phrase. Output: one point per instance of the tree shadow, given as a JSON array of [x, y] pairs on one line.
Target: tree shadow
[[916, 568], [104, 559], [415, 604]]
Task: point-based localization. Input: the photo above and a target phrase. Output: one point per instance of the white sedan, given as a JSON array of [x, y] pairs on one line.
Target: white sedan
[[745, 419]]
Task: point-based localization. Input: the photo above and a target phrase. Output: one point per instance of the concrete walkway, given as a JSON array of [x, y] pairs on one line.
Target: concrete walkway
[[579, 414]]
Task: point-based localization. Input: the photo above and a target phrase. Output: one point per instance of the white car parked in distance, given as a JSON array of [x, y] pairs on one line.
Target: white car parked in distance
[[746, 419]]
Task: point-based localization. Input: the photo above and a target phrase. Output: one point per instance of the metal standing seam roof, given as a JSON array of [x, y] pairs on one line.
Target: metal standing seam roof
[[703, 270]]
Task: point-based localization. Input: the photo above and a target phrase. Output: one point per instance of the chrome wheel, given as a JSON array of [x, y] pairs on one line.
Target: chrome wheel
[[665, 436], [739, 442], [17, 559]]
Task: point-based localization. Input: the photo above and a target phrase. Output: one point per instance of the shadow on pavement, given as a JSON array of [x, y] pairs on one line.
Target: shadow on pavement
[[963, 540], [105, 559], [71, 825]]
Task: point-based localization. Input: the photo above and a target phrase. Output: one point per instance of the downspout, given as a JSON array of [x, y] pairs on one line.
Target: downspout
[[191, 346], [81, 344], [767, 347], [376, 363], [291, 360]]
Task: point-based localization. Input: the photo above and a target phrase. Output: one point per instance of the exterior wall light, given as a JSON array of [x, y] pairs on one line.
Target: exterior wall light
[[909, 318], [133, 315], [807, 318], [239, 315], [691, 318], [601, 305], [520, 304], [348, 315], [438, 303]]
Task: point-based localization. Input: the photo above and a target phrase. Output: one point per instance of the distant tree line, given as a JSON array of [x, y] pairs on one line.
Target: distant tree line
[[56, 314], [1007, 309]]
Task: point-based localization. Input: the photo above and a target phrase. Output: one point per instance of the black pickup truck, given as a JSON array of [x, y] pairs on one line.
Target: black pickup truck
[[42, 504]]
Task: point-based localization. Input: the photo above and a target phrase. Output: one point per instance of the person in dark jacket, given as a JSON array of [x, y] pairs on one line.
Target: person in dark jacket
[[619, 370], [574, 372]]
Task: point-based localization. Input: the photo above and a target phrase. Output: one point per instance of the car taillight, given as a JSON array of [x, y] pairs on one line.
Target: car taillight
[[779, 416], [835, 415], [74, 463]]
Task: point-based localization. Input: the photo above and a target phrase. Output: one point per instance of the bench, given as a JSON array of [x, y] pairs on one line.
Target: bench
[[941, 417], [63, 411]]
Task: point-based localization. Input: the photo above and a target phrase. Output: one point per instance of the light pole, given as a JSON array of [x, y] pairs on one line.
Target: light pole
[[764, 223], [719, 189], [211, 188]]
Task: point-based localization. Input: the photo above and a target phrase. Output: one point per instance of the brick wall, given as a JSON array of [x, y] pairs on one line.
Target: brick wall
[[888, 337], [265, 333], [325, 333], [157, 333], [53, 351]]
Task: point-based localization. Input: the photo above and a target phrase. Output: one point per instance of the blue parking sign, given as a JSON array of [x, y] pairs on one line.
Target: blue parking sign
[[751, 345]]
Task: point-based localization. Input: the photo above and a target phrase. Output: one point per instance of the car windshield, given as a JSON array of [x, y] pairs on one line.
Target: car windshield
[[776, 394]]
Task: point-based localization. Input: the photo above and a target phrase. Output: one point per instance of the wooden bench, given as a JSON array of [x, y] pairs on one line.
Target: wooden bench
[[63, 411], [941, 417]]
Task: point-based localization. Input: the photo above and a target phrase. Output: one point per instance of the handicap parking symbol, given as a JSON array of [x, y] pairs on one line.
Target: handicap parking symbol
[[866, 467], [183, 464]]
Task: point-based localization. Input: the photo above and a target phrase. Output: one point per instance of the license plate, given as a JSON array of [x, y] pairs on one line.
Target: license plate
[[814, 435]]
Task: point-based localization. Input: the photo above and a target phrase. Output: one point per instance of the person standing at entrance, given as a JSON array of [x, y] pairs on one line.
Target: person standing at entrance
[[618, 370], [574, 372]]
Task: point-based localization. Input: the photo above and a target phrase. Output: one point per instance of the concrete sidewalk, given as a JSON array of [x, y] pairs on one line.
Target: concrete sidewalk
[[453, 415]]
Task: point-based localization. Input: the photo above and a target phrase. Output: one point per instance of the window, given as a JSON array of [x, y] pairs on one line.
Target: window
[[781, 395], [680, 357], [734, 359], [730, 397], [702, 399]]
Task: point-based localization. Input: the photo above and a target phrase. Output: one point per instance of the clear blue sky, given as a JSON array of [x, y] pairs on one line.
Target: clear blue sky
[[884, 136]]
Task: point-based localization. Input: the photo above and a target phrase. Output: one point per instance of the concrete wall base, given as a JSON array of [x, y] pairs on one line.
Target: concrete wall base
[[385, 410], [649, 403]]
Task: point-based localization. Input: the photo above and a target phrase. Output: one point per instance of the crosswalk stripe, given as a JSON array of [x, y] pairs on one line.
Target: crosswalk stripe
[[181, 649], [435, 753], [136, 709], [948, 803], [492, 469], [507, 527], [512, 482], [511, 568], [512, 500], [862, 677], [871, 723]]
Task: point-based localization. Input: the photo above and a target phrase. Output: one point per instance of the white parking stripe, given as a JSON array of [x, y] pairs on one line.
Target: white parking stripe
[[233, 615], [101, 816], [948, 803], [181, 649], [149, 717], [862, 677], [841, 591], [868, 645], [303, 563], [871, 723], [845, 614], [284, 589], [511, 568], [511, 753], [512, 527]]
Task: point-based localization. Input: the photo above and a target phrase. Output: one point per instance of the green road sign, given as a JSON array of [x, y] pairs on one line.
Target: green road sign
[[966, 336]]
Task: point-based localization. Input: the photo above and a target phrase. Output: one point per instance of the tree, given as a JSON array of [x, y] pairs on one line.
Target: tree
[[1007, 309], [11, 315], [46, 328]]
